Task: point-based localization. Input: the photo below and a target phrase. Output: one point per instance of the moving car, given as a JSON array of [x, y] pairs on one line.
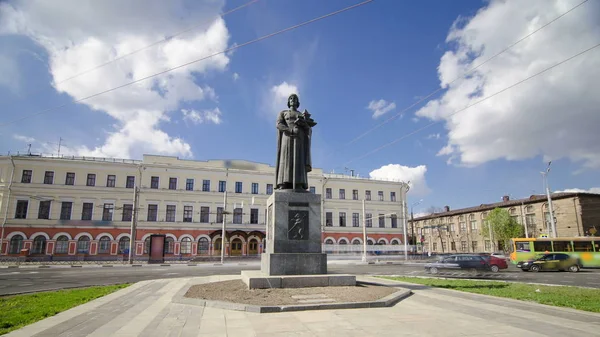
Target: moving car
[[471, 262], [496, 263], [552, 261]]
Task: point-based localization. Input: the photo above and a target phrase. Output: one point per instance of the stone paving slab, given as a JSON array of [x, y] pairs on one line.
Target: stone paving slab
[[147, 309]]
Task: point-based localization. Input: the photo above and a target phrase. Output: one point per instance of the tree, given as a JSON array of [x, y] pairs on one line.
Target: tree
[[433, 210], [501, 227]]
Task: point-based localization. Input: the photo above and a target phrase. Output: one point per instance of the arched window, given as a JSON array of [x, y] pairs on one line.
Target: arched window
[[328, 242], [343, 242], [39, 245], [124, 244], [83, 245], [62, 245], [356, 242], [16, 243], [203, 246], [169, 245], [104, 245], [369, 242], [381, 242], [186, 246], [147, 245], [395, 242]]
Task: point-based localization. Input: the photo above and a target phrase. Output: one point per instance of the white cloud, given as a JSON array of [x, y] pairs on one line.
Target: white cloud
[[595, 190], [80, 35], [204, 116], [381, 107], [434, 136], [554, 115], [277, 97], [24, 138], [416, 176], [236, 76]]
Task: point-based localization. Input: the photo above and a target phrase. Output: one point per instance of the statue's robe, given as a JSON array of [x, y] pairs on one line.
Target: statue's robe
[[284, 167]]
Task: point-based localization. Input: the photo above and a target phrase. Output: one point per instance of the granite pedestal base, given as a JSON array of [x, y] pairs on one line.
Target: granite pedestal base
[[255, 279], [275, 264]]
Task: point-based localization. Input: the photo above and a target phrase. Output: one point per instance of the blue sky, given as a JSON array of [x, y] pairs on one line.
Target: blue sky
[[352, 71]]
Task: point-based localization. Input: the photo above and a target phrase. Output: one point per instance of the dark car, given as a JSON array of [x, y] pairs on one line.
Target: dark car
[[458, 262], [552, 261]]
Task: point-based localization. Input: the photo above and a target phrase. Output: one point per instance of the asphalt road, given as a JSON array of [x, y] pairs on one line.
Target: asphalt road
[[20, 280]]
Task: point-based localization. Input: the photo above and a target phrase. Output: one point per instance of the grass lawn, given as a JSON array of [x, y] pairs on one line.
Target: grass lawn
[[560, 296], [20, 310]]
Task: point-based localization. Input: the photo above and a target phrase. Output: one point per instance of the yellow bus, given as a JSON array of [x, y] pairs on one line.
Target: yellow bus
[[586, 249]]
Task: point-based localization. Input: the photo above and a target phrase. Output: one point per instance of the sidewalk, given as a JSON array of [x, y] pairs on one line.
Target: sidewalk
[[147, 309], [195, 264]]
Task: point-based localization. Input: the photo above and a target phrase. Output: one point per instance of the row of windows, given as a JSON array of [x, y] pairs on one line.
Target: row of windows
[[462, 226], [342, 194], [108, 209], [356, 221], [83, 245]]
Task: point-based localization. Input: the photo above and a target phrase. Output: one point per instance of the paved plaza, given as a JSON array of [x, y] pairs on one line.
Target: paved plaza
[[149, 308]]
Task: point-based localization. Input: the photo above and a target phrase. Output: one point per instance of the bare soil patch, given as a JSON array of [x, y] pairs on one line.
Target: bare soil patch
[[236, 291]]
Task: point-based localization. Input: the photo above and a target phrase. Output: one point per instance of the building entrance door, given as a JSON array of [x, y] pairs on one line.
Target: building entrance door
[[236, 247], [253, 247]]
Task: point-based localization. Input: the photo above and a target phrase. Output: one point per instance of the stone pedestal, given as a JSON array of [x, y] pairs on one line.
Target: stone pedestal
[[293, 257], [293, 245]]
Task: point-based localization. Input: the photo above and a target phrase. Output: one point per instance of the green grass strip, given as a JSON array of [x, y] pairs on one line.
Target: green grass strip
[[21, 310], [560, 296]]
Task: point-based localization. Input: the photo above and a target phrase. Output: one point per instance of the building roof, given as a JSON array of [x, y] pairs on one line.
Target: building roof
[[502, 204]]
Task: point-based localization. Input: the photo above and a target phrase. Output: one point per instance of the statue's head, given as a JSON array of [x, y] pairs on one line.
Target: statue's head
[[293, 101]]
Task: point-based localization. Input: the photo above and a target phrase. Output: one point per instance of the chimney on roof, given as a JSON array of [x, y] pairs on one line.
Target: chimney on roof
[[446, 208], [505, 198]]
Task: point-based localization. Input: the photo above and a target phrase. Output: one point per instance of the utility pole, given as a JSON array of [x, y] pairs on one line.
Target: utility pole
[[364, 257], [29, 149], [404, 211], [551, 209], [134, 217], [404, 228], [223, 235], [59, 143]]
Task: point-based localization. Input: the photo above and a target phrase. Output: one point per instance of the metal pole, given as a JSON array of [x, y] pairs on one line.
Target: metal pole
[[364, 257], [551, 215], [132, 233], [404, 228], [12, 173]]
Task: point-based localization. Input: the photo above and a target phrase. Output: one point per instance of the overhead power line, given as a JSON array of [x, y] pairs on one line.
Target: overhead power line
[[192, 62], [473, 104], [460, 77], [169, 37]]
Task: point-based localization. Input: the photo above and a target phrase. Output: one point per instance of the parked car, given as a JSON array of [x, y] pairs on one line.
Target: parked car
[[552, 261], [471, 262], [496, 263]]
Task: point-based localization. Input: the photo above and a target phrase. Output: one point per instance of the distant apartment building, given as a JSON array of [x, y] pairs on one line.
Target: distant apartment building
[[76, 207], [576, 214]]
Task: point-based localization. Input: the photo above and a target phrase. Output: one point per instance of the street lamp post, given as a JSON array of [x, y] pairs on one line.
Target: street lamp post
[[551, 209], [404, 220], [364, 256]]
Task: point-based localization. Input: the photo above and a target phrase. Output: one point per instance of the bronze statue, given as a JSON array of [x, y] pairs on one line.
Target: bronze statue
[[294, 130]]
